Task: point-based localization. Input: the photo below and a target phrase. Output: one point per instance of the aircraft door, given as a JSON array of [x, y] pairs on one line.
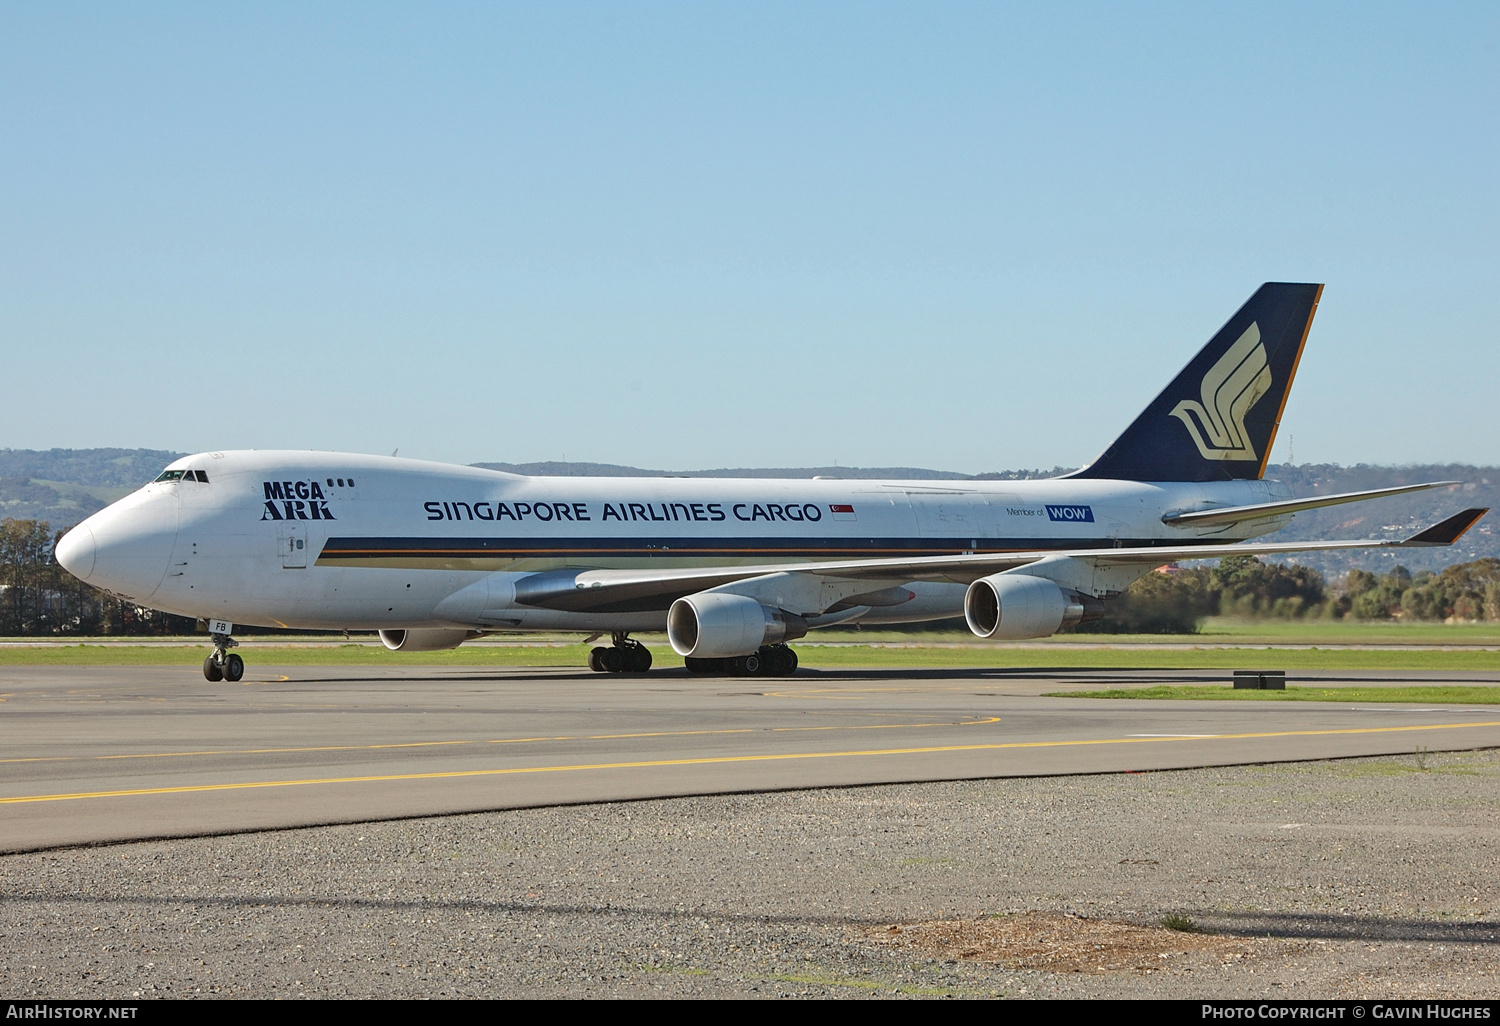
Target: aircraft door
[[963, 516], [292, 542]]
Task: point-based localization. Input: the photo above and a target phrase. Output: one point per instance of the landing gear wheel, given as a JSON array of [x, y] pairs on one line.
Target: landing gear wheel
[[221, 664], [637, 658], [769, 661], [779, 660], [626, 655]]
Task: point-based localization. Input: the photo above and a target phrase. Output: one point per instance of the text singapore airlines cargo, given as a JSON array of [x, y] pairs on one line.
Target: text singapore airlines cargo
[[431, 555]]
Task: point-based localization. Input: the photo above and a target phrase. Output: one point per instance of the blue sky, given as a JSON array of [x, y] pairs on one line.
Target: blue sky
[[964, 236]]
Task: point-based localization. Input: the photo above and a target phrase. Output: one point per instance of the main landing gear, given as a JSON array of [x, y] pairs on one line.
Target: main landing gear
[[223, 664], [626, 655], [768, 661]]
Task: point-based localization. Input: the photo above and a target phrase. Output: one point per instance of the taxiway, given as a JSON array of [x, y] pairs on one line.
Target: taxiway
[[90, 755]]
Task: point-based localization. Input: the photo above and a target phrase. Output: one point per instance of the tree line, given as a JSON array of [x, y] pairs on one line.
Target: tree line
[[39, 597], [1176, 600]]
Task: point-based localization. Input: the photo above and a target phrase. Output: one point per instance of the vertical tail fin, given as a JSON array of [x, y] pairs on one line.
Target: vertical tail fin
[[1217, 420]]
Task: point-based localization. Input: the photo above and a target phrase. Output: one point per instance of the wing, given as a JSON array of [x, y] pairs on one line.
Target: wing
[[620, 591], [1224, 516]]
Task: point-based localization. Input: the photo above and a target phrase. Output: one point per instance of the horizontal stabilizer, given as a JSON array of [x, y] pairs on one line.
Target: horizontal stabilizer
[[1263, 510], [1447, 532]]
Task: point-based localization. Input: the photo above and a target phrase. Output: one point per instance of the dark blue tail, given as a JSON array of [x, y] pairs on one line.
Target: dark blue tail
[[1217, 420]]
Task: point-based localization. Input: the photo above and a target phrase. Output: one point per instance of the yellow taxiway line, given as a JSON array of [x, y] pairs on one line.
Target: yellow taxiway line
[[712, 760], [498, 741]]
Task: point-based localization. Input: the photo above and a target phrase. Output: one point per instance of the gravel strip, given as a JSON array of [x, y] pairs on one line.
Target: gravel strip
[[1352, 879]]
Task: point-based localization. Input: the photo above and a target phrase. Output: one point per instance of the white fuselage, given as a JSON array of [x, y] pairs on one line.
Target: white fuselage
[[329, 540]]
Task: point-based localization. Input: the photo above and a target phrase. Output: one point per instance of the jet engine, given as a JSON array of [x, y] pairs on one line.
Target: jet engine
[[1016, 606], [429, 639], [717, 625]]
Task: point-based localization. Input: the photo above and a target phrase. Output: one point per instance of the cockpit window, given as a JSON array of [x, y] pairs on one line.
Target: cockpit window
[[171, 475], [202, 475]]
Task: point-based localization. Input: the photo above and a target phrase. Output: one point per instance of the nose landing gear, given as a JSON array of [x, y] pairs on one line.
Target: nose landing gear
[[222, 664], [626, 655]]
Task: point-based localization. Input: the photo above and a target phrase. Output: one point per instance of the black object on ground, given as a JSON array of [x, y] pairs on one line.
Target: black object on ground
[[1261, 680]]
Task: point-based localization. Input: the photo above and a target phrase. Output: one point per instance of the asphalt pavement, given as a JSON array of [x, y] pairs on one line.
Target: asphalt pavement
[[104, 754]]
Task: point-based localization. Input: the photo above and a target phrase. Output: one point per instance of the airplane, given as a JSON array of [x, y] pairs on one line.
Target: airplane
[[433, 555]]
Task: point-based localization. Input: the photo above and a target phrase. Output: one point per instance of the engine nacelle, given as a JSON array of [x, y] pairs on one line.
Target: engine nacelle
[[427, 639], [1017, 606], [717, 625]]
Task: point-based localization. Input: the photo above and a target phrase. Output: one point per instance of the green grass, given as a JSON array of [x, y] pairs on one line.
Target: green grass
[[285, 655], [1427, 695], [1229, 630], [813, 656], [1141, 658], [278, 651]]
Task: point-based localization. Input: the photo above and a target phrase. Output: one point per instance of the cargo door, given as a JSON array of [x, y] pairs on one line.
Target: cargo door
[[964, 518]]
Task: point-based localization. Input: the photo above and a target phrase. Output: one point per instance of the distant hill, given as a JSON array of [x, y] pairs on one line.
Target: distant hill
[[557, 469], [1395, 517], [105, 468], [63, 486]]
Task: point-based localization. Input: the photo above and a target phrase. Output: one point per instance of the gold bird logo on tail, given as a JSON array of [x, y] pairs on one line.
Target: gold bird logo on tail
[[1230, 388]]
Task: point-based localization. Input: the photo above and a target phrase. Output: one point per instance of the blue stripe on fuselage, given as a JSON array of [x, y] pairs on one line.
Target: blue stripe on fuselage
[[382, 548]]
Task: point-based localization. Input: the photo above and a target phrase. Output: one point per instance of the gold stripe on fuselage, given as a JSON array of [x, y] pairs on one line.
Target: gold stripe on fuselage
[[586, 561]]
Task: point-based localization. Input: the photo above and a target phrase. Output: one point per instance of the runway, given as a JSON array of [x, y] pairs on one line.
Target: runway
[[91, 755]]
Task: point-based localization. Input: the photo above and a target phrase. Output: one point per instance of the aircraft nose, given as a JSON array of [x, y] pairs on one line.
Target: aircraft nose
[[125, 548], [76, 551]]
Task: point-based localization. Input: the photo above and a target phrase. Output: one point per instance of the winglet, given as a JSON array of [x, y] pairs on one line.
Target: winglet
[[1447, 532]]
